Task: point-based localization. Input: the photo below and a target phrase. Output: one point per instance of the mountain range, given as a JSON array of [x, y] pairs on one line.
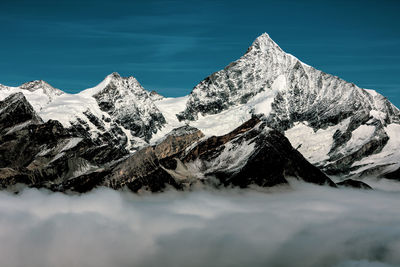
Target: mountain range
[[262, 119]]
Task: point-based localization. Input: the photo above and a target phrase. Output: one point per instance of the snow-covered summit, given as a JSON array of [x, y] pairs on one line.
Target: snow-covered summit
[[39, 93], [255, 72], [333, 122], [113, 78], [129, 104], [117, 110], [40, 85], [264, 44]]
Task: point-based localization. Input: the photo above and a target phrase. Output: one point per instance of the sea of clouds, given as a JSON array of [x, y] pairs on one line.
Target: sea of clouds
[[301, 225]]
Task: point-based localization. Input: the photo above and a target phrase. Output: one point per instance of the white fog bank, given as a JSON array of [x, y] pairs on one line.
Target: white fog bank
[[304, 226]]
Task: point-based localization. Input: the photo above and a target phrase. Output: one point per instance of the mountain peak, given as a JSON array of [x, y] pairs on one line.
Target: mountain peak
[[48, 90], [114, 75], [113, 80], [264, 36], [264, 43], [34, 85]]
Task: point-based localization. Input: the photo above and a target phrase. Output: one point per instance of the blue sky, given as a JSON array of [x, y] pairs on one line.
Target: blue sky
[[170, 46]]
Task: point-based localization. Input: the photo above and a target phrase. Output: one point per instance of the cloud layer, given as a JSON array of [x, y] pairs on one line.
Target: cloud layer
[[304, 226]]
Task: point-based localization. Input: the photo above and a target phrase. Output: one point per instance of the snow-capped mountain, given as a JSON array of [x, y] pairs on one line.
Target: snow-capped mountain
[[335, 124], [118, 110]]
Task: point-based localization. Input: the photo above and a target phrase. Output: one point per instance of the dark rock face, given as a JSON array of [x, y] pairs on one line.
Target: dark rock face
[[354, 184], [44, 154], [19, 147], [144, 169], [394, 175], [16, 110], [266, 158]]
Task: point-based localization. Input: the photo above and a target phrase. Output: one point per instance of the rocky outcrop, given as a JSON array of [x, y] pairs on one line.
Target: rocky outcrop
[[43, 154], [16, 112], [146, 169], [394, 175]]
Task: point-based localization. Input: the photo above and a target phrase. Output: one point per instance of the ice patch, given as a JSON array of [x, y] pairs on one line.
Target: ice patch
[[314, 146], [71, 143]]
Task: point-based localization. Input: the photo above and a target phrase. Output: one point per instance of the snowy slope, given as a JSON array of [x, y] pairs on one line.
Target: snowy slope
[[216, 124], [38, 93]]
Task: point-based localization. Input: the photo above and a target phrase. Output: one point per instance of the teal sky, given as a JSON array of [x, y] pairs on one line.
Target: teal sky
[[170, 46]]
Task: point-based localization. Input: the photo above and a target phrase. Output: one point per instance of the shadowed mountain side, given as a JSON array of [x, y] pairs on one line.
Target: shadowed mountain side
[[44, 154], [183, 160]]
